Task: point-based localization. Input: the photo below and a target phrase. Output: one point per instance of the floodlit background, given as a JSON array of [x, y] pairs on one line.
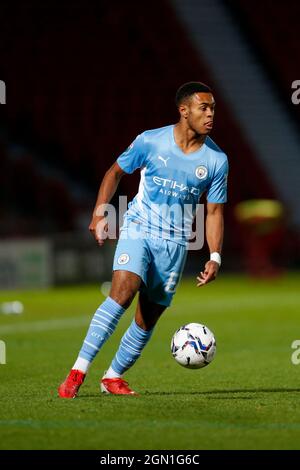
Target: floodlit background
[[79, 82]]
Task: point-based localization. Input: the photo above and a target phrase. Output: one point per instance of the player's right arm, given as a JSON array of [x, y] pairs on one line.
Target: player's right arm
[[133, 158], [98, 226]]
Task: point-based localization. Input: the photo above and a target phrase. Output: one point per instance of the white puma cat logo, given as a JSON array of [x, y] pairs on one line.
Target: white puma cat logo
[[163, 159]]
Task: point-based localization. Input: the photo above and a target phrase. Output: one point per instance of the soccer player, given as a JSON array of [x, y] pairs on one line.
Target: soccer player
[[178, 164]]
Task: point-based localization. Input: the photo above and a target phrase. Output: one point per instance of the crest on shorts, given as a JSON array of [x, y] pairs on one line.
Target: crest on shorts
[[123, 258], [201, 172]]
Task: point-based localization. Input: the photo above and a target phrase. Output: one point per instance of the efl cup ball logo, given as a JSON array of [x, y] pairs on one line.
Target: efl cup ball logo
[[201, 172], [123, 259]]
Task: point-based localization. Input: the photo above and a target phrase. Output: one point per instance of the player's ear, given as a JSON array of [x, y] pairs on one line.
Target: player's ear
[[183, 109]]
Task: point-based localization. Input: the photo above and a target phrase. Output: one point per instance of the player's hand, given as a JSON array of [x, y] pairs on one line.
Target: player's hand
[[209, 274], [99, 228]]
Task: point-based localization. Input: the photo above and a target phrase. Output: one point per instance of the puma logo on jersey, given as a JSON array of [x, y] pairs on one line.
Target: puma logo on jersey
[[163, 159]]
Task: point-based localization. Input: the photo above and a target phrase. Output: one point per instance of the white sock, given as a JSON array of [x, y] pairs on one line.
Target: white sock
[[111, 374], [82, 364]]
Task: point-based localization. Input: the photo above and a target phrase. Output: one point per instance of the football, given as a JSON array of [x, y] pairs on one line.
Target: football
[[193, 346]]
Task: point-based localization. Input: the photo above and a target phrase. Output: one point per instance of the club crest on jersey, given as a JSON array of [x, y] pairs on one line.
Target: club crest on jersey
[[123, 258], [201, 172]]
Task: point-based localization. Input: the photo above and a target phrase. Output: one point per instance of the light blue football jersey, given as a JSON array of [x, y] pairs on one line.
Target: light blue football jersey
[[172, 182]]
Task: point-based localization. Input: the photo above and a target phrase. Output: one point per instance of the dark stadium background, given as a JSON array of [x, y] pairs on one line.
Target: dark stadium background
[[83, 79]]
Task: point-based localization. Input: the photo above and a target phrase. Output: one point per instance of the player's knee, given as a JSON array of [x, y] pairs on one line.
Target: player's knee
[[124, 299], [124, 287], [123, 295]]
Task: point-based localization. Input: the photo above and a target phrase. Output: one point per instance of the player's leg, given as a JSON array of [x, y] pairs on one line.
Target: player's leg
[[132, 344], [163, 275], [125, 284], [130, 263], [124, 287]]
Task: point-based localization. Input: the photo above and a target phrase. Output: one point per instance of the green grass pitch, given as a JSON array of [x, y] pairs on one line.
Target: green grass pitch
[[247, 398]]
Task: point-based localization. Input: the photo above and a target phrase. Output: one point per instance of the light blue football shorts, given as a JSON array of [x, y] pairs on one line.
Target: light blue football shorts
[[159, 262]]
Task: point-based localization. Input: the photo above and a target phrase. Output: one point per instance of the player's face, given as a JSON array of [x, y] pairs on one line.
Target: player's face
[[200, 111]]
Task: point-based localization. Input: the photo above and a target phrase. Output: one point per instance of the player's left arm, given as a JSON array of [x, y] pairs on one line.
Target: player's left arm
[[214, 237]]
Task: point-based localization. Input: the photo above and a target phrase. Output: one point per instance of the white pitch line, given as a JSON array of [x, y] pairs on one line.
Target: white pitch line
[[45, 325]]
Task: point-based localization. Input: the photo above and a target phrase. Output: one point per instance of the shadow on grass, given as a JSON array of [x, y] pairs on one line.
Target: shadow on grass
[[109, 396], [208, 394], [227, 392]]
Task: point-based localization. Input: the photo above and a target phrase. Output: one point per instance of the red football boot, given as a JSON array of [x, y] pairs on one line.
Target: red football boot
[[116, 386], [70, 387]]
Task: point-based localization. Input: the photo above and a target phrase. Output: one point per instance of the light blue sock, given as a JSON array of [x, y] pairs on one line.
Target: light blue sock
[[102, 326], [130, 349]]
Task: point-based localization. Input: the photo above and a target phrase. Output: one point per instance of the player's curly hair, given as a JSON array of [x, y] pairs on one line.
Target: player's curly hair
[[188, 89]]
